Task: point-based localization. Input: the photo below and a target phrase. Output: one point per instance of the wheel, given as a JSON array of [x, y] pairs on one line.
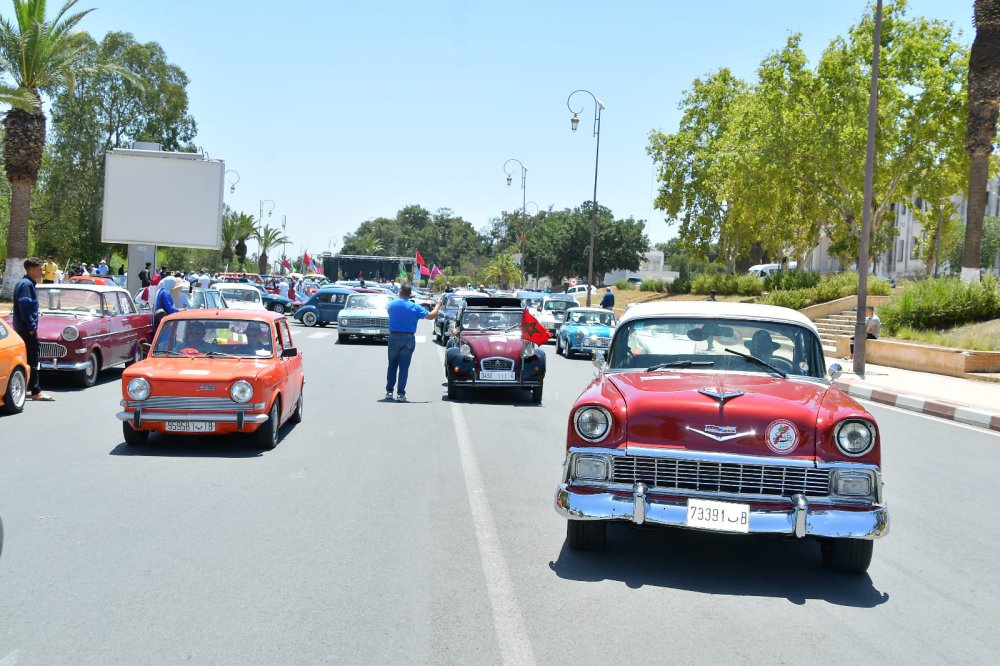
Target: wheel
[[16, 393], [296, 416], [437, 336], [310, 319], [266, 435], [88, 376], [847, 555], [536, 394], [586, 534], [558, 345], [452, 390], [132, 436], [341, 339], [279, 308]]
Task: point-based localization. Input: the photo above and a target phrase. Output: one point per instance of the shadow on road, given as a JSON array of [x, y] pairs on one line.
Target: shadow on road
[[191, 446], [509, 397], [718, 564], [54, 381]]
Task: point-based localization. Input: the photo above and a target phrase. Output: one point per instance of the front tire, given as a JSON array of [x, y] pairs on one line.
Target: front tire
[[310, 319], [132, 436], [586, 534], [452, 390], [341, 339], [16, 393], [296, 416], [536, 394], [88, 376], [279, 308], [266, 436], [847, 555]]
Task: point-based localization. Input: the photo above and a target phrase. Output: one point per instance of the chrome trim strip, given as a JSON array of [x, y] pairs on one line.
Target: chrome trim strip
[[723, 438], [160, 417], [54, 365], [190, 403]]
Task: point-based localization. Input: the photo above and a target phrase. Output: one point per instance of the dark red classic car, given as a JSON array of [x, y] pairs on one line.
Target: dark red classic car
[[85, 328], [720, 417], [487, 351]]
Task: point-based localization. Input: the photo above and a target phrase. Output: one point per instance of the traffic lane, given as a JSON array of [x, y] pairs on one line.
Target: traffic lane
[[696, 581], [331, 546]]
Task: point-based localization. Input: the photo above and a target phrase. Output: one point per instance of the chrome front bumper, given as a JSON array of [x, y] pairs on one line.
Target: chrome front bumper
[[138, 417], [800, 519], [52, 364]]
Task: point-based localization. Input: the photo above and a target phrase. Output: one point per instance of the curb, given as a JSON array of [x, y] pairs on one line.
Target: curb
[[972, 417]]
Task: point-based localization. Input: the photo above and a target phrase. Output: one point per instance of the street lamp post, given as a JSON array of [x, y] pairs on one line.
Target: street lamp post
[[524, 217], [232, 185], [284, 223], [574, 122], [270, 209], [536, 247]]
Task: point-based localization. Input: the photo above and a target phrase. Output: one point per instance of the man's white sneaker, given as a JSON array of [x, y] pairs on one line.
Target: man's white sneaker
[[401, 397], [388, 395]]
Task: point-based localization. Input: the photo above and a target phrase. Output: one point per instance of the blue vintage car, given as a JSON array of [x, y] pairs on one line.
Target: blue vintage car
[[323, 307], [585, 330]]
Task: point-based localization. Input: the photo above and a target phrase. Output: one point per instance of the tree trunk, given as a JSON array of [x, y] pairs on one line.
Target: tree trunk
[[984, 104], [17, 236]]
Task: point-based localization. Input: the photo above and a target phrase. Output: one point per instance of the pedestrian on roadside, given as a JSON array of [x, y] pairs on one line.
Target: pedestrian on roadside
[[102, 268], [25, 322], [403, 317], [144, 275], [204, 280], [49, 269], [711, 295], [608, 300], [873, 325]]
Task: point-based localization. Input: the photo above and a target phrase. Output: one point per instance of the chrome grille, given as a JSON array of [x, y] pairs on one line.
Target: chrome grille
[[736, 478], [497, 364], [51, 350], [368, 322], [189, 404]]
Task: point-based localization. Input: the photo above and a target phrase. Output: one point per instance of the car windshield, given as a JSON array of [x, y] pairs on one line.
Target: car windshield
[[491, 320], [454, 302], [558, 305], [242, 295], [71, 300], [366, 301], [205, 299], [214, 337], [592, 318], [716, 344]]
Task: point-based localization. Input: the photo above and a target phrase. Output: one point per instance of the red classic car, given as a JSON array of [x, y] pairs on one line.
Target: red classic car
[[215, 372], [487, 351], [85, 328], [720, 416]]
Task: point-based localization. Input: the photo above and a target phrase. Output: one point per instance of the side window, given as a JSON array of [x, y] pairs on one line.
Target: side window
[[284, 336], [324, 298], [126, 304], [111, 306], [3, 331]]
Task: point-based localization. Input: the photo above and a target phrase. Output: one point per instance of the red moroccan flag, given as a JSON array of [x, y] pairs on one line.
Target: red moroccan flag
[[532, 330], [420, 260]]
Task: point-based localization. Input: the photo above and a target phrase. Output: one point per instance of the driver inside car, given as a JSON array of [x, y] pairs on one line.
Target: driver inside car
[[472, 322], [762, 346], [257, 339], [193, 342]]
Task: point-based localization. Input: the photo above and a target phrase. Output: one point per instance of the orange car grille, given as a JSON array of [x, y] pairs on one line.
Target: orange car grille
[[189, 404], [738, 478]]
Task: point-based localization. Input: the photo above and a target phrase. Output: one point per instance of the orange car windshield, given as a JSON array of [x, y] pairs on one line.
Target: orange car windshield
[[223, 338]]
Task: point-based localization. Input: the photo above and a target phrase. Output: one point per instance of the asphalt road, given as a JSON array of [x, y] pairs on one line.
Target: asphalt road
[[424, 533]]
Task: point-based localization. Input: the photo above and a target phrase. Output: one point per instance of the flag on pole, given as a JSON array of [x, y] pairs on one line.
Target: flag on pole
[[402, 273], [306, 260], [424, 270], [532, 330], [286, 264], [420, 260], [435, 271]]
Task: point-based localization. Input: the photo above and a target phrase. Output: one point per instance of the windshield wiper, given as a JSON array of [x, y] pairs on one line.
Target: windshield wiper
[[222, 354], [680, 364], [754, 359], [168, 352]]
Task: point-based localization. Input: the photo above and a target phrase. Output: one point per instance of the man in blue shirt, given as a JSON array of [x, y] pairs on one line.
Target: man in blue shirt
[[608, 300], [403, 318], [25, 321]]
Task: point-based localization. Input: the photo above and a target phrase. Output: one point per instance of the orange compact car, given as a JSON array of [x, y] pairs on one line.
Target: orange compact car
[[14, 371], [215, 372]]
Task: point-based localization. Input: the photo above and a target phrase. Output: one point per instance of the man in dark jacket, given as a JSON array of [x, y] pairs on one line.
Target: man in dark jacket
[[25, 321], [608, 300]]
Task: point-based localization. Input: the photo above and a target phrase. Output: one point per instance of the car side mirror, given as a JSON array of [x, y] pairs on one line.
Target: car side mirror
[[834, 371], [289, 352], [599, 361], [144, 347]]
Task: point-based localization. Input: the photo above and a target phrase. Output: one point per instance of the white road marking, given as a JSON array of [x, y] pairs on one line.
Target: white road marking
[[320, 334], [10, 659], [508, 621]]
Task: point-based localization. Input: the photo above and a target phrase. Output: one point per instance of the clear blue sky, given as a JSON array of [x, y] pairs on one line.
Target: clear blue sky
[[352, 110]]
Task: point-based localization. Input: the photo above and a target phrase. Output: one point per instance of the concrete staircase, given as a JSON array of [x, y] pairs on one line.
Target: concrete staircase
[[833, 326]]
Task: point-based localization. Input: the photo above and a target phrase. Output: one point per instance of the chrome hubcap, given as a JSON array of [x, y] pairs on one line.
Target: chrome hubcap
[[17, 389], [92, 367]]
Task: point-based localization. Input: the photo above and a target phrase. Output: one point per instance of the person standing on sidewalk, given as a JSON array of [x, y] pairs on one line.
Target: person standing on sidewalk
[[25, 321], [608, 300], [403, 317]]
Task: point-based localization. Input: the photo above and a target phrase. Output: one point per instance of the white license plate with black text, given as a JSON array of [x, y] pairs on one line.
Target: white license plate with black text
[[190, 426], [497, 375], [718, 516]]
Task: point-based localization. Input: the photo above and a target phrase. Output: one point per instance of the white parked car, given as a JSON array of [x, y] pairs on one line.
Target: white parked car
[[241, 296], [581, 290], [552, 311], [764, 270]]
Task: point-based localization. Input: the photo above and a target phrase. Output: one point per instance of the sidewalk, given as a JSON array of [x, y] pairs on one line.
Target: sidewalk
[[968, 401]]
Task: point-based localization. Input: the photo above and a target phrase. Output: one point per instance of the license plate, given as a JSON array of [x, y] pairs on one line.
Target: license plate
[[190, 426], [718, 516], [497, 375], [370, 331]]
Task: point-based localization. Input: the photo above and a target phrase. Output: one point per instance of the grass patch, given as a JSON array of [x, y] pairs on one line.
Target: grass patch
[[984, 336]]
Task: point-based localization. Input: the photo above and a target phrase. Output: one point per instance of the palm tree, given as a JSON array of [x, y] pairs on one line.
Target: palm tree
[[246, 227], [502, 271], [371, 245], [267, 237], [40, 56], [984, 105]]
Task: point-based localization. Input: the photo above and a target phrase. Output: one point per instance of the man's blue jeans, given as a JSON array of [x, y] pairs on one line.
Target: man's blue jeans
[[401, 348]]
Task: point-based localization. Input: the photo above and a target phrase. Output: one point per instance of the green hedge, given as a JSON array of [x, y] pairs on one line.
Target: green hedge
[[727, 284], [829, 288], [942, 303], [653, 285], [787, 280], [623, 285]]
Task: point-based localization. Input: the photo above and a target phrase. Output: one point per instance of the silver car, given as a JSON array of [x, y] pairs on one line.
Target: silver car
[[364, 316]]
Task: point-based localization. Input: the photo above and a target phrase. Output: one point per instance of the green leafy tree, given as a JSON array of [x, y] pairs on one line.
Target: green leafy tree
[[267, 238], [245, 229], [371, 245], [502, 271]]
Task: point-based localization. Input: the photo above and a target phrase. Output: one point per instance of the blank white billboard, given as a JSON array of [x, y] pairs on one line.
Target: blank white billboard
[[162, 198]]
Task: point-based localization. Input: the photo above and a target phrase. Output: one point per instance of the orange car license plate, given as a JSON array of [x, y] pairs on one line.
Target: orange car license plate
[[190, 426]]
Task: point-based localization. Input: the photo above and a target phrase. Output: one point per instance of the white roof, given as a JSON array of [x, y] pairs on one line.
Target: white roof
[[236, 285], [80, 286], [719, 309], [583, 308]]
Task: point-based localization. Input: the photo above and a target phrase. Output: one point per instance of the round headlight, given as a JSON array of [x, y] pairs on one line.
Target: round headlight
[[465, 350], [70, 333], [592, 423], [855, 438], [241, 391], [578, 335], [138, 389], [527, 348], [342, 322]]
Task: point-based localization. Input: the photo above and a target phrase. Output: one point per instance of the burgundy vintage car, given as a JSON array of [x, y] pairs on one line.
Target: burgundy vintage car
[[84, 328], [486, 349], [721, 417]]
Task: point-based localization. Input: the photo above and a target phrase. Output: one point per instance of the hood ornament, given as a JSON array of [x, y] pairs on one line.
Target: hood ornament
[[721, 433], [722, 397]]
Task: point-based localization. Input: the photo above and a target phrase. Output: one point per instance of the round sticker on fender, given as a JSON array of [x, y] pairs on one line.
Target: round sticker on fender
[[782, 436]]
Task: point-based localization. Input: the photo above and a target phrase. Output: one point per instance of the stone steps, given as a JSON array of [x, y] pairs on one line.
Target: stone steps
[[834, 326]]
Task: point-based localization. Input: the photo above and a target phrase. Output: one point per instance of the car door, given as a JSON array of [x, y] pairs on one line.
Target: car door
[[291, 370], [112, 343], [324, 304], [135, 327]]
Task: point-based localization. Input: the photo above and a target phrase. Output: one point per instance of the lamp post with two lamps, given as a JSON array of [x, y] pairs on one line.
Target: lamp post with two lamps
[[524, 217], [232, 185], [574, 122], [537, 261]]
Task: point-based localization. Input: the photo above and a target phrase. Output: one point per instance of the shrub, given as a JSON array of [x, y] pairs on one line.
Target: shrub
[[749, 285], [652, 285], [942, 303], [681, 285], [725, 284], [623, 285], [795, 299], [786, 280]]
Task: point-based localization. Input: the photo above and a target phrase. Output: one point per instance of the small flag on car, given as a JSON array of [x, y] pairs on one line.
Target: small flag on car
[[532, 330]]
